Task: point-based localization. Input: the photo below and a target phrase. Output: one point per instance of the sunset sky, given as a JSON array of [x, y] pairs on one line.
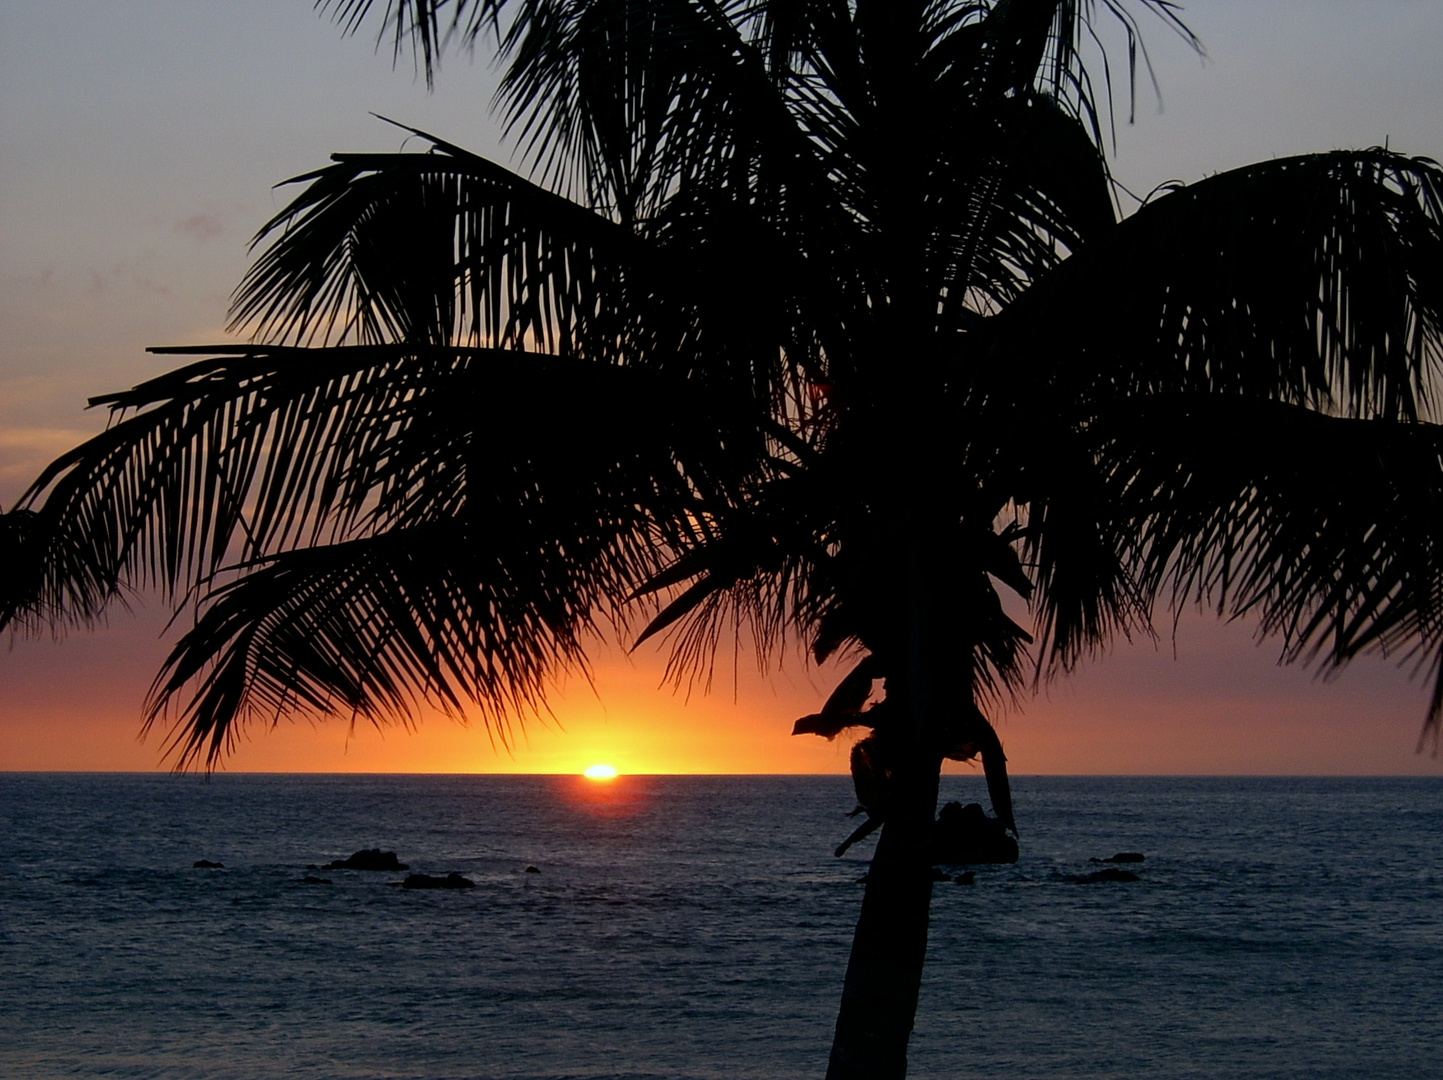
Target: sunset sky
[[139, 142]]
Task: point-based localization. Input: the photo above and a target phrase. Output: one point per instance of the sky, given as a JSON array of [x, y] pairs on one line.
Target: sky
[[139, 144]]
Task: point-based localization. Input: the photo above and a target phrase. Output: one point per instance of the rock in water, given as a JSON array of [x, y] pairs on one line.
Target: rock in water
[[206, 864], [1123, 857], [1112, 873], [965, 834], [370, 859], [452, 880]]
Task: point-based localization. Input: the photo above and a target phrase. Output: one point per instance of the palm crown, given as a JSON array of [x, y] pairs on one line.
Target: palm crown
[[820, 324]]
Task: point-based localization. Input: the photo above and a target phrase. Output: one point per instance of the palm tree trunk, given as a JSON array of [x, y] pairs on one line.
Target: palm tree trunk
[[884, 974]]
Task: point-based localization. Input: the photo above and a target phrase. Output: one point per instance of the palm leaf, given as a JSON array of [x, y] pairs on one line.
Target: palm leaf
[[426, 248], [1312, 283], [446, 247], [240, 456], [1316, 279], [1324, 528], [374, 629]]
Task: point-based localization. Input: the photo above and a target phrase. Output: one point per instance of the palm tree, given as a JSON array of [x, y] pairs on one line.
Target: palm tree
[[819, 326]]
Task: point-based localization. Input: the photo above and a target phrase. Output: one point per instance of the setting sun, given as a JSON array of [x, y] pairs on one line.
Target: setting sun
[[600, 772]]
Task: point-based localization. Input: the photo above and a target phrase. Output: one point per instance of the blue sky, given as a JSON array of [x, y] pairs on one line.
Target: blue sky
[[139, 142]]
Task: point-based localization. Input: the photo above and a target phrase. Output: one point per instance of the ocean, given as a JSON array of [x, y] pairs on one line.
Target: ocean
[[698, 927]]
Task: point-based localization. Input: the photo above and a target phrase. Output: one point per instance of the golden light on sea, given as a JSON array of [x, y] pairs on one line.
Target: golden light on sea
[[600, 772]]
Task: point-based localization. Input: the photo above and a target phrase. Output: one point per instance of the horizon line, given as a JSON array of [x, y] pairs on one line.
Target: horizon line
[[201, 774]]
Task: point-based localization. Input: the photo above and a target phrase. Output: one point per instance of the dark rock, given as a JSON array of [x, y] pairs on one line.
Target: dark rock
[[965, 834], [938, 875], [1112, 873], [206, 864], [532, 870], [967, 877], [452, 880], [370, 859], [309, 880], [1123, 857]]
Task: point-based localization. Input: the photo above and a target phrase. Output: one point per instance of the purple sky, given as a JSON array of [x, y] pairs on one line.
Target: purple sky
[[139, 142]]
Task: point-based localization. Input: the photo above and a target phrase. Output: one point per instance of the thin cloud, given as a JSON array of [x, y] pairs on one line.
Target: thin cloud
[[203, 227]]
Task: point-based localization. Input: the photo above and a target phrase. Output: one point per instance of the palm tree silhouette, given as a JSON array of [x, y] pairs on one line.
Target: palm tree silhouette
[[820, 325]]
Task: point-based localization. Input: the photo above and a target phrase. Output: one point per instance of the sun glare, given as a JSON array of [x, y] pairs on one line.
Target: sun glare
[[600, 772]]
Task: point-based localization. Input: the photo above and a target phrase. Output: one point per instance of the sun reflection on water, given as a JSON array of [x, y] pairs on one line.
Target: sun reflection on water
[[604, 791]]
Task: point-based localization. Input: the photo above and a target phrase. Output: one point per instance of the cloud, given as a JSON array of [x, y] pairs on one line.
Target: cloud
[[203, 227], [44, 281], [209, 223], [122, 276]]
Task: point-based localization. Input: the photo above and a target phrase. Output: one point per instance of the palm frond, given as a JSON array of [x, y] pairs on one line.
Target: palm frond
[[25, 603], [428, 248], [760, 568], [446, 247], [626, 103], [1316, 279], [1324, 528], [422, 25], [375, 629], [239, 456], [1013, 188], [1313, 284]]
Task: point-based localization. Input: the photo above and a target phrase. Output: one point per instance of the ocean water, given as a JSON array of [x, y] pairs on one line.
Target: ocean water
[[698, 927]]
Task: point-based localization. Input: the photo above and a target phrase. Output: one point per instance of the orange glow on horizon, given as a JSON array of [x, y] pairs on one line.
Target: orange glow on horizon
[[1220, 707], [600, 772]]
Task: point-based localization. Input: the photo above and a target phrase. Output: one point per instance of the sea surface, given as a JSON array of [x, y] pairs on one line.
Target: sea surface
[[698, 927]]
